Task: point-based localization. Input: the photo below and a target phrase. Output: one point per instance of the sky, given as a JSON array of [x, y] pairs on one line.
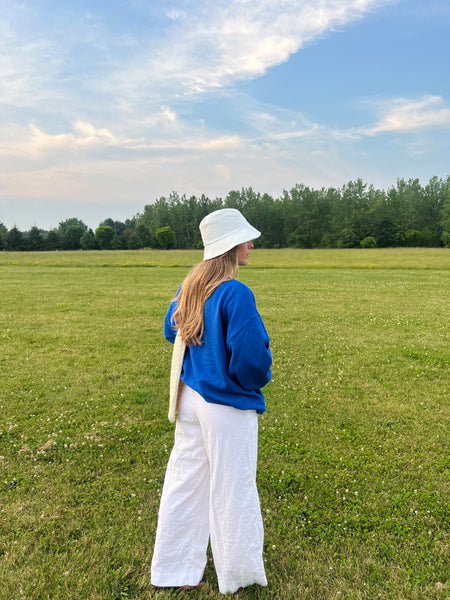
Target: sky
[[107, 106]]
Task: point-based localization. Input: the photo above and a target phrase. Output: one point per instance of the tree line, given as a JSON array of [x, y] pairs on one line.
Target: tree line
[[356, 215]]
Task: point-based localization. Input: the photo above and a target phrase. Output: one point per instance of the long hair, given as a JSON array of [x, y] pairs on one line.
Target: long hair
[[200, 283]]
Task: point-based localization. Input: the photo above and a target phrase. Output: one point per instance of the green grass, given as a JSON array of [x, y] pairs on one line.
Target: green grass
[[386, 258], [354, 447]]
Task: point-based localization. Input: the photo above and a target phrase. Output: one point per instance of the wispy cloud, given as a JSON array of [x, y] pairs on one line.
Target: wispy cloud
[[403, 116], [26, 68], [84, 134], [33, 143], [200, 48], [85, 139], [175, 14], [412, 115], [218, 43]]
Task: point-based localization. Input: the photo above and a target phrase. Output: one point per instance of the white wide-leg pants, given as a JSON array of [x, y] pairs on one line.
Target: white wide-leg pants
[[210, 492]]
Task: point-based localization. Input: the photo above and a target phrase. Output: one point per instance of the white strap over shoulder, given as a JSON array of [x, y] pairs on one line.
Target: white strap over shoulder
[[179, 348]]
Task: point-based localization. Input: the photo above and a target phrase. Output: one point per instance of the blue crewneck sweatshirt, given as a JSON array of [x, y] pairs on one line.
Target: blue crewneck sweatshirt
[[233, 363]]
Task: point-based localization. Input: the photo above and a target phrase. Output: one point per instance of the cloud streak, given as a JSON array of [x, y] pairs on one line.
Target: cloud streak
[[203, 47], [240, 40], [404, 116], [86, 140]]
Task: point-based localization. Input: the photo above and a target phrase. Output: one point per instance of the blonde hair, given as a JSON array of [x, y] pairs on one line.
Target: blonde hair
[[200, 283]]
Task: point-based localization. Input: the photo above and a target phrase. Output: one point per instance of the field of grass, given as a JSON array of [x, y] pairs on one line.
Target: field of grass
[[354, 446]]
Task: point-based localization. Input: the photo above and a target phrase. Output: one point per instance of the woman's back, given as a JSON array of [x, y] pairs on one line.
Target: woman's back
[[233, 361]]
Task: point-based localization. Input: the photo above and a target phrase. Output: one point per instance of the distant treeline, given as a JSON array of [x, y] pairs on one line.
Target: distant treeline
[[356, 215]]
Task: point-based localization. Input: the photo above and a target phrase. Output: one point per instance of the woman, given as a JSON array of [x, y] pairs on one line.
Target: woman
[[210, 485]]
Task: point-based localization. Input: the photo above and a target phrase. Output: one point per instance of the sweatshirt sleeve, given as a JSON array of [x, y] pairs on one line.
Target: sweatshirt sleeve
[[169, 332], [248, 344]]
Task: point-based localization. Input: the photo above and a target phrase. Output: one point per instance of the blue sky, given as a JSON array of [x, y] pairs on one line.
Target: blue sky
[[106, 106]]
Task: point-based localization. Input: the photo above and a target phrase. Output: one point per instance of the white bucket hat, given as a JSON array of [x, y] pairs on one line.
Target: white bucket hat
[[224, 229]]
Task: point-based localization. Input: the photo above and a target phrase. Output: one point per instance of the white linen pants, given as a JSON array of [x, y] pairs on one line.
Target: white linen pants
[[210, 493]]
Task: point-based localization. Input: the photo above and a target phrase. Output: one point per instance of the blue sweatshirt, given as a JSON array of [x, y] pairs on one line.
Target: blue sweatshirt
[[233, 362]]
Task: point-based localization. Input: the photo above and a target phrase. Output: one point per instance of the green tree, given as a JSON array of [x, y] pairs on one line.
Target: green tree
[[165, 237], [134, 242], [144, 235], [235, 200], [445, 215], [104, 236], [267, 217], [53, 240], [408, 213], [413, 238], [15, 240], [124, 237], [306, 216], [35, 240], [181, 214], [155, 216], [160, 215], [3, 234], [347, 238], [71, 231], [403, 205], [355, 224], [118, 226], [432, 203], [368, 242], [118, 242], [71, 237], [183, 220], [72, 222], [87, 240], [384, 231]]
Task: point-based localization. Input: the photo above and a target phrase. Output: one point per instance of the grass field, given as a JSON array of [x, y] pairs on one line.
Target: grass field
[[354, 447]]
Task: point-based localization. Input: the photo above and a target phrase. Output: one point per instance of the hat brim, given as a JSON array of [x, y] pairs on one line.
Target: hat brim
[[229, 241]]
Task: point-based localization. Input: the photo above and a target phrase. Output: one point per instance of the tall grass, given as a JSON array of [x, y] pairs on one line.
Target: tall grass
[[353, 454]]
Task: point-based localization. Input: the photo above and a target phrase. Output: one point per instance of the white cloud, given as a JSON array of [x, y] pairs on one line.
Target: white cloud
[[38, 143], [26, 70], [200, 47], [164, 132], [296, 133], [403, 115], [168, 113], [218, 43], [175, 15], [140, 180]]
